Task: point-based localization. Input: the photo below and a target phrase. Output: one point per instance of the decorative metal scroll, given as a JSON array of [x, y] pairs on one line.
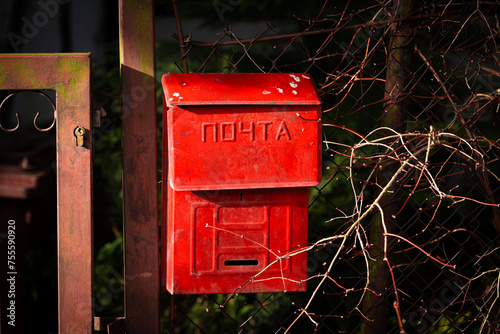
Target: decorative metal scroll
[[36, 116]]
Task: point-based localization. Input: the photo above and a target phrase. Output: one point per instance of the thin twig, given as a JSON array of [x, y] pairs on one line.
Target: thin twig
[[180, 36]]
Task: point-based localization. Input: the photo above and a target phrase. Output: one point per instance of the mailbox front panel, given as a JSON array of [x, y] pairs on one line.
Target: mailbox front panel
[[241, 147], [226, 241]]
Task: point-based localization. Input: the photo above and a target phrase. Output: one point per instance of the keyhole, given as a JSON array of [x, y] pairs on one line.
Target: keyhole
[[241, 197]]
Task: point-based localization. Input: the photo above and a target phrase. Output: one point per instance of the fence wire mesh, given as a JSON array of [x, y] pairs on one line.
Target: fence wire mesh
[[404, 228]]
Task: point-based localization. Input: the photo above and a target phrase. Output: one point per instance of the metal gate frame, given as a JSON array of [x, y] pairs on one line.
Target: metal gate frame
[[70, 76]]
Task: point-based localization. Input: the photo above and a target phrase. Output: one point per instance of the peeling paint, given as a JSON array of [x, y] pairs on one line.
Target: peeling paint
[[294, 92], [265, 92], [296, 78], [306, 77], [144, 275], [280, 90], [293, 84]]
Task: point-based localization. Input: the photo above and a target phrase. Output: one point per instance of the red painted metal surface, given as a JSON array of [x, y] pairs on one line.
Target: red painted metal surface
[[70, 76], [239, 88], [140, 177], [243, 131], [224, 241], [241, 150]]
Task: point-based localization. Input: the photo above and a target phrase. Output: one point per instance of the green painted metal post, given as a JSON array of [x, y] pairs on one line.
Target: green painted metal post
[[70, 76]]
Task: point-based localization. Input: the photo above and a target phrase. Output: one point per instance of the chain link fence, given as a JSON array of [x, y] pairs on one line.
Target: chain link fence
[[404, 228]]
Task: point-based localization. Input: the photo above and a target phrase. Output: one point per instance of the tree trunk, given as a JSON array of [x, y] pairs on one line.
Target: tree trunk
[[376, 305]]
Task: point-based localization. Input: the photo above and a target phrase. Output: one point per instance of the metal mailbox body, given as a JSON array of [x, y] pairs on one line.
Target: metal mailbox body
[[241, 150]]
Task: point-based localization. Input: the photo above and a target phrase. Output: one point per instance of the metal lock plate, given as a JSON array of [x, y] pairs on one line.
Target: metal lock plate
[[80, 136]]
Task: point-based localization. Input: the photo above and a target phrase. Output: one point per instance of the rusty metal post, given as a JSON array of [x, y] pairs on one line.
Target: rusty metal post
[[140, 186], [70, 76]]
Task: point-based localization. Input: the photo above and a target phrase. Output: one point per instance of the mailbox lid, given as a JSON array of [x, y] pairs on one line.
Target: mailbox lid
[[239, 88], [225, 138]]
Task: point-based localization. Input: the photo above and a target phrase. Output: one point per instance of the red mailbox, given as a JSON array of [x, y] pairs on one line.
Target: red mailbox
[[241, 150]]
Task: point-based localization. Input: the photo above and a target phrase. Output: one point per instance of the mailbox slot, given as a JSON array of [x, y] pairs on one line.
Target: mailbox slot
[[241, 263]]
